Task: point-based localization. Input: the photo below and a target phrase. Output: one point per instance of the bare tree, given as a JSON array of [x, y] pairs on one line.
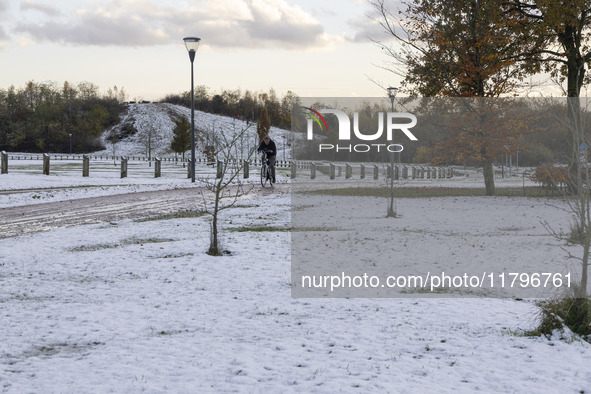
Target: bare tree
[[579, 190], [113, 136], [573, 308], [227, 187]]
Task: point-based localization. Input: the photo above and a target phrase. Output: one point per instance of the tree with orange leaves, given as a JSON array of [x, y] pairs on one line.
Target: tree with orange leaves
[[461, 48]]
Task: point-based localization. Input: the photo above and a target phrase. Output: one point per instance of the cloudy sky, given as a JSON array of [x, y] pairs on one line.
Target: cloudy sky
[[312, 47]]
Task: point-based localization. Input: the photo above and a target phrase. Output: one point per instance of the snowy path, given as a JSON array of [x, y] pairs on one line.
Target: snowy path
[[29, 219]]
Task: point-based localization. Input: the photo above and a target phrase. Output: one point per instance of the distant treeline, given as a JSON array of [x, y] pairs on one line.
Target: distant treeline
[[40, 117], [235, 103]]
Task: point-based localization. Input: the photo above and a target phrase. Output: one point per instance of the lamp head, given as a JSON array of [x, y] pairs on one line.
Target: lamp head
[[192, 43], [392, 92]]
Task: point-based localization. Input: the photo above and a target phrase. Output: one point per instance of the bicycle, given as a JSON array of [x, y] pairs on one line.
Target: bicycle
[[265, 170]]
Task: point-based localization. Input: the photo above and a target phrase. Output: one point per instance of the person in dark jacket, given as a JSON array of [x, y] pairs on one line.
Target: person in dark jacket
[[268, 145]]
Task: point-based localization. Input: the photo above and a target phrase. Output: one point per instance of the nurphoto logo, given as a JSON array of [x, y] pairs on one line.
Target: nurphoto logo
[[344, 129]]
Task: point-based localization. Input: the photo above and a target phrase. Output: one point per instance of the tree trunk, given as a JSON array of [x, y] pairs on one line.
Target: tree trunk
[[391, 208], [582, 291], [575, 73], [489, 178], [214, 227]]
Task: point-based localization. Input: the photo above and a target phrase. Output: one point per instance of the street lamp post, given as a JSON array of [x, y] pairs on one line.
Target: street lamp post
[[70, 143], [192, 43], [392, 207], [392, 94]]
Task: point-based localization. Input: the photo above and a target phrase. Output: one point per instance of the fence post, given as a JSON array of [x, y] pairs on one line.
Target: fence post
[[404, 172], [332, 175], [220, 169], [157, 167], [45, 164], [246, 169], [313, 171], [348, 171], [450, 172], [123, 167], [85, 165], [414, 172], [293, 170], [4, 163], [362, 170], [376, 172], [396, 172]]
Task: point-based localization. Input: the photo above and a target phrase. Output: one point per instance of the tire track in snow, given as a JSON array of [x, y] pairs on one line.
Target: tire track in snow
[[29, 219]]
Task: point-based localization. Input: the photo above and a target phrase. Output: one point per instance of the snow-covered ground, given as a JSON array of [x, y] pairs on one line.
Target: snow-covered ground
[[24, 184], [137, 306], [140, 307]]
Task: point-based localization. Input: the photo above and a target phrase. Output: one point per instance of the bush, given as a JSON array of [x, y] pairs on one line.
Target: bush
[[209, 152], [577, 234], [551, 177], [125, 131], [574, 313], [423, 155], [539, 154]]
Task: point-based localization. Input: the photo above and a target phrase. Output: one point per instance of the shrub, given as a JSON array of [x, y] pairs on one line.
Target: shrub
[[423, 155], [551, 177], [121, 133], [209, 152], [539, 154], [569, 311], [577, 234]]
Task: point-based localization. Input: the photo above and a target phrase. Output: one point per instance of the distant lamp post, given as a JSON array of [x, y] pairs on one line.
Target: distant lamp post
[[392, 210], [392, 94], [70, 142], [192, 44]]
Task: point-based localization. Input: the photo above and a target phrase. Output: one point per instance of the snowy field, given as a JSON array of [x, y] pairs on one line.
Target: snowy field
[[139, 307]]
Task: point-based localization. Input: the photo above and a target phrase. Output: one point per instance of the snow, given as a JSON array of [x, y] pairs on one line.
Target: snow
[[158, 119], [139, 306], [484, 237], [24, 184]]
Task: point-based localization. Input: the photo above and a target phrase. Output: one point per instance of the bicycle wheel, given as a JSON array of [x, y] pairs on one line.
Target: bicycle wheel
[[263, 174]]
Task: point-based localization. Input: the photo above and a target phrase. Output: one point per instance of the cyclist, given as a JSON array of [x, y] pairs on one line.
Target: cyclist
[[267, 145]]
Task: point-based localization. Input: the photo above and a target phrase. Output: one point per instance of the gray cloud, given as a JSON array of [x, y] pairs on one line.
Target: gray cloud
[[245, 23], [282, 31], [96, 30], [367, 27], [4, 36], [47, 9], [365, 30]]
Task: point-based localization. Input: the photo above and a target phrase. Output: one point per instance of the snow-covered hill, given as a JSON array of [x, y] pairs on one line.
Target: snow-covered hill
[[154, 122]]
